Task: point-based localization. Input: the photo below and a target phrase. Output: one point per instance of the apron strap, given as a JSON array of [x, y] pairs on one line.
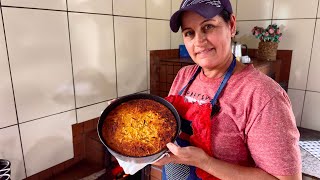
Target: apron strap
[[215, 106], [190, 81]]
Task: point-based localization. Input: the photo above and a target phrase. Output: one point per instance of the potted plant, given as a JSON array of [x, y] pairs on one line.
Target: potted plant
[[269, 39]]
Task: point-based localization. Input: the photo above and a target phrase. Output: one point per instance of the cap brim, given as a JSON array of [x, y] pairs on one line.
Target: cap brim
[[204, 10]]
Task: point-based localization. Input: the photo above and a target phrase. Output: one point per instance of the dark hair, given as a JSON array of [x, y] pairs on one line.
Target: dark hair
[[225, 15]]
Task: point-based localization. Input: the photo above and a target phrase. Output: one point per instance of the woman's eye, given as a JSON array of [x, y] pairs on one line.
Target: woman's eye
[[208, 27], [188, 34]]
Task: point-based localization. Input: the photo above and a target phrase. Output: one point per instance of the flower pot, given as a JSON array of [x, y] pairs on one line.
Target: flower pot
[[267, 51]]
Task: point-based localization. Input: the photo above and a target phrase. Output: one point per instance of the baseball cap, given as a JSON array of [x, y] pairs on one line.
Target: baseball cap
[[205, 8]]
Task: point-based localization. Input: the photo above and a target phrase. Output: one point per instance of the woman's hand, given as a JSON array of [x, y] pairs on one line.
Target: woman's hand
[[223, 170], [184, 155]]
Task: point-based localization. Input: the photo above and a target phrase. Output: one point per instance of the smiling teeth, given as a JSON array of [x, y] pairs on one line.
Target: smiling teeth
[[204, 51]]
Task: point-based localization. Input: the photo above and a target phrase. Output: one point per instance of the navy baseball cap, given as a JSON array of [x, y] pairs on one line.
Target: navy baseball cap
[[205, 8]]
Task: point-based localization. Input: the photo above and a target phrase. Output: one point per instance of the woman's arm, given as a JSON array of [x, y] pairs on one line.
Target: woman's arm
[[223, 170]]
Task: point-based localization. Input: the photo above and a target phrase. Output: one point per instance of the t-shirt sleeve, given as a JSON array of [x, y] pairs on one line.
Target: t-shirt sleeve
[[273, 138], [179, 81], [175, 84]]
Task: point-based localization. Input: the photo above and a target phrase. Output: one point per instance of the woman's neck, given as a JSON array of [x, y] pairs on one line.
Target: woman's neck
[[220, 70]]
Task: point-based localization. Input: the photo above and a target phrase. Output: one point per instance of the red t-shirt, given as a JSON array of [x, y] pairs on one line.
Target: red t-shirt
[[255, 126]]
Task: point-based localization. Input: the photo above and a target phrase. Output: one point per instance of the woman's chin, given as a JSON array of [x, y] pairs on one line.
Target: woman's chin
[[206, 63]]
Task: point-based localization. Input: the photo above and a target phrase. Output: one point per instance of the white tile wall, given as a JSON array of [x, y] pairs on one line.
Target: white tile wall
[[131, 54], [11, 150], [297, 98], [175, 5], [93, 55], [288, 9], [96, 6], [148, 69], [311, 113], [245, 36], [314, 73], [301, 44], [47, 142], [234, 6], [158, 34], [261, 10], [148, 92], [45, 4], [39, 53], [176, 39], [7, 108], [90, 112], [159, 9], [136, 8]]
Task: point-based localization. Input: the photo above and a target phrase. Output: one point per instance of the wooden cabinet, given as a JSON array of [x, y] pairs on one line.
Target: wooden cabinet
[[165, 64], [155, 172]]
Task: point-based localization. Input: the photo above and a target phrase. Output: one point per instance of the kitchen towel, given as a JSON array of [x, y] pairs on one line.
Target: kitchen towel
[[313, 147], [131, 167]]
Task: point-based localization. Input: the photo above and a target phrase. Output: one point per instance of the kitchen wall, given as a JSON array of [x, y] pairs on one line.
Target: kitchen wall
[[62, 60]]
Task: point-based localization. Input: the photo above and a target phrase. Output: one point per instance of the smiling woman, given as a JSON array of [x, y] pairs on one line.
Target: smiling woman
[[246, 128]]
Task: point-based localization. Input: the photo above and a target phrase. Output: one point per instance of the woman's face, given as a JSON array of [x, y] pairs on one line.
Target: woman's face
[[208, 41]]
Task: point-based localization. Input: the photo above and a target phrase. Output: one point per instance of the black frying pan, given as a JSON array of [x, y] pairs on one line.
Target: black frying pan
[[113, 105]]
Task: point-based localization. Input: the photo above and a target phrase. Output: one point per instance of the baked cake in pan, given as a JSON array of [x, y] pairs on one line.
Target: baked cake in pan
[[139, 127]]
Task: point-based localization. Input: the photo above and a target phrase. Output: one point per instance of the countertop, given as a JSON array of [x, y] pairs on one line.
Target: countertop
[[310, 164]]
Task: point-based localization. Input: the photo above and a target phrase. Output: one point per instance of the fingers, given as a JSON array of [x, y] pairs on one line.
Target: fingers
[[173, 148], [189, 155], [165, 160], [182, 152]]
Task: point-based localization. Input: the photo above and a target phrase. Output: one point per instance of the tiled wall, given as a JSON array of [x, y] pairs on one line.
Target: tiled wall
[[62, 60]]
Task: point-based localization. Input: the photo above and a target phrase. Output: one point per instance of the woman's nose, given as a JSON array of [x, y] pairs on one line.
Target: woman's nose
[[200, 39]]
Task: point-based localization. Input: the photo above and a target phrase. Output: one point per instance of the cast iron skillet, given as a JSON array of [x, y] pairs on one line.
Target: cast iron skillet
[[144, 159]]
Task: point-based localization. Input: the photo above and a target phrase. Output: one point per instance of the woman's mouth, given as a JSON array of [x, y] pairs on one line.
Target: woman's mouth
[[204, 52]]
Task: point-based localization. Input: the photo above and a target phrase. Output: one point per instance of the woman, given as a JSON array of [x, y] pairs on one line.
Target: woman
[[237, 123]]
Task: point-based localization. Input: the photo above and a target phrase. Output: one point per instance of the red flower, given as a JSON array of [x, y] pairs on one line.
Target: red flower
[[271, 31]]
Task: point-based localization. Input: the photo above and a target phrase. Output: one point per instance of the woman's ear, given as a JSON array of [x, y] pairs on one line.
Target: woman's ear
[[233, 25]]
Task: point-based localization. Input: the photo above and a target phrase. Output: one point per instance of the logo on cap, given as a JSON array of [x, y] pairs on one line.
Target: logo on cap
[[187, 3]]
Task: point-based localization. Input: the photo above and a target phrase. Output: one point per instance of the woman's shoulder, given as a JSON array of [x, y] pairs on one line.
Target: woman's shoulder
[[182, 78], [255, 81], [187, 70]]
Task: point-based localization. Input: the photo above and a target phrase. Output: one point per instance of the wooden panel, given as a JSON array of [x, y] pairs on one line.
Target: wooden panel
[[154, 178], [156, 172], [285, 56], [155, 57]]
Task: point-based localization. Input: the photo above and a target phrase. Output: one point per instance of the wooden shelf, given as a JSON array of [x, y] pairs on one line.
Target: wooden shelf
[[165, 64]]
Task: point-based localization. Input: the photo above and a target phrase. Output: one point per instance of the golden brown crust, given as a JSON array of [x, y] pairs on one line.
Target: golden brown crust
[[139, 127]]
